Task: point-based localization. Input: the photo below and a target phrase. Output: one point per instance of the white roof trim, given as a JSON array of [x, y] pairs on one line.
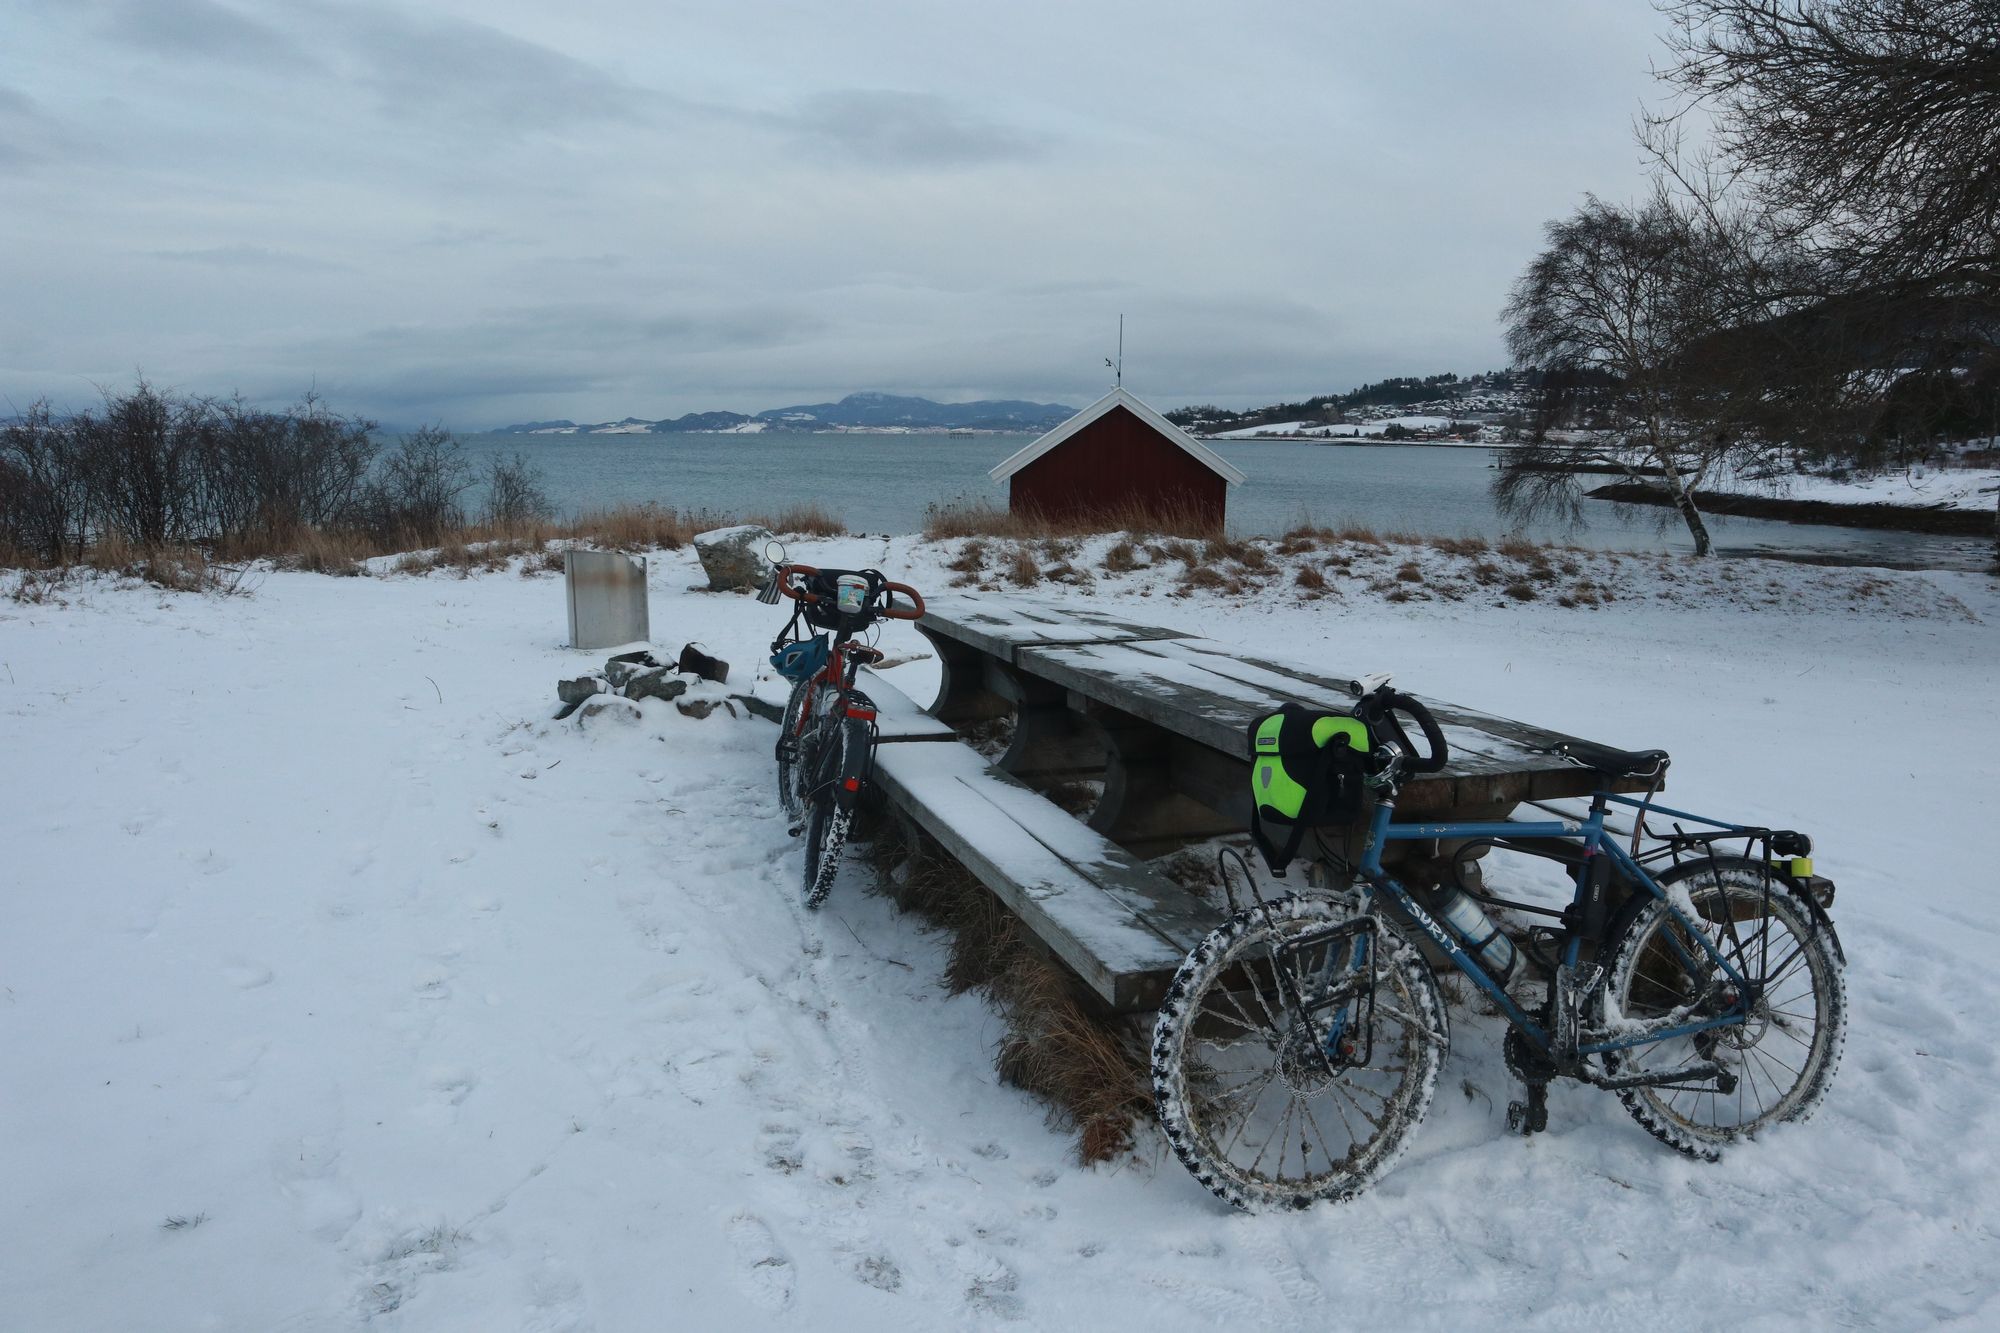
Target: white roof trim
[[1202, 454]]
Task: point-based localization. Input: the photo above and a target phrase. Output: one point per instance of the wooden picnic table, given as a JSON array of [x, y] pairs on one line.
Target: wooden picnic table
[[1161, 717]]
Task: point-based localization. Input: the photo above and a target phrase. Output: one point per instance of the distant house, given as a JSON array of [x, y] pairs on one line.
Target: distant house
[[1120, 458]]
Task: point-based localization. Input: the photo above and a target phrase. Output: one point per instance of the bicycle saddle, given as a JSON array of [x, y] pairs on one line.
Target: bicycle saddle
[[1614, 763]]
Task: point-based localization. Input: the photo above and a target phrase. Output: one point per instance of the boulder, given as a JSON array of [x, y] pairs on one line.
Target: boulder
[[607, 708], [655, 683], [701, 708], [733, 558]]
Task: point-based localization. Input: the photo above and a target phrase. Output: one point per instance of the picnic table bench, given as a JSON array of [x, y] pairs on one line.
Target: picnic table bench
[[1160, 719]]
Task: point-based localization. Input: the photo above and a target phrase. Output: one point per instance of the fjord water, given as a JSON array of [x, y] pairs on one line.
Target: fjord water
[[882, 483]]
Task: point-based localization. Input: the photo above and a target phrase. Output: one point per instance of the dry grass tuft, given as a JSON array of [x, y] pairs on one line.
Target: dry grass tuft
[[979, 518], [1309, 578], [1021, 569], [1122, 558], [1410, 572], [1521, 590], [809, 519]]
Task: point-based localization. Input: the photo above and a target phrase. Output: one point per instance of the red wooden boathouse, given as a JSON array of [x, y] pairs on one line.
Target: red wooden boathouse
[[1119, 457]]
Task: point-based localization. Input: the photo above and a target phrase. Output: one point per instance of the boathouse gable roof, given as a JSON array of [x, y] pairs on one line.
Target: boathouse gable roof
[[1117, 398]]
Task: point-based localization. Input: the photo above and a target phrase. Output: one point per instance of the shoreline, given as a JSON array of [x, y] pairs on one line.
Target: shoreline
[[1827, 513]]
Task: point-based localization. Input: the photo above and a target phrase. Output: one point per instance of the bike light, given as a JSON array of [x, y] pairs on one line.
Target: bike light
[[852, 784]]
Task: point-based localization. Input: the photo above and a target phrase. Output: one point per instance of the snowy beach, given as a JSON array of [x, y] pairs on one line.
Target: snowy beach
[[340, 986]]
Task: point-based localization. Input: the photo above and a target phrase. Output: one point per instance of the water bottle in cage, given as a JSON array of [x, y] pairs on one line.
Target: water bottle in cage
[[1485, 940]]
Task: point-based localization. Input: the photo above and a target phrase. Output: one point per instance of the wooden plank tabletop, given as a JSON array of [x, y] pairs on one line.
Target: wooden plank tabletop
[[1210, 693], [1002, 626]]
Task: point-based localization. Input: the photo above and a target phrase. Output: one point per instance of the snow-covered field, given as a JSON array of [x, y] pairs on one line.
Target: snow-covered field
[[340, 987]]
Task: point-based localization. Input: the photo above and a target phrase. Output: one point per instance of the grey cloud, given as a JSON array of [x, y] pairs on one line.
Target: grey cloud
[[450, 73], [245, 256], [882, 128], [24, 131], [204, 29]]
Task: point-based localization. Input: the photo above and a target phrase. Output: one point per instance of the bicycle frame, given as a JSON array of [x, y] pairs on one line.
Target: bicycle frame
[[1589, 835]]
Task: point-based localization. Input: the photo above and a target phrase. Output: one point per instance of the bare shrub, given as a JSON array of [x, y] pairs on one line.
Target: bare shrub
[[417, 495], [44, 497], [514, 494]]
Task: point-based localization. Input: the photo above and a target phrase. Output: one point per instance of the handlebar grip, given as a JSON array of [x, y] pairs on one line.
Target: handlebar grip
[[1440, 752], [791, 582], [892, 613]]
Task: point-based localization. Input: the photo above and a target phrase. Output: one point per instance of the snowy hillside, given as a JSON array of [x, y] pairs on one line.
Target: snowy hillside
[[340, 987]]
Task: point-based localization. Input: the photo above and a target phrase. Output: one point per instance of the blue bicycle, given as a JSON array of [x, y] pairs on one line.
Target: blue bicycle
[[1695, 973]]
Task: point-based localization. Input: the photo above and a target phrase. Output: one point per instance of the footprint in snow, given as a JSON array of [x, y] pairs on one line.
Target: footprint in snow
[[763, 1269], [246, 975]]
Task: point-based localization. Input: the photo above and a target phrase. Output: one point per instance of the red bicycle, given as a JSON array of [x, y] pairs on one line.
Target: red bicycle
[[826, 745]]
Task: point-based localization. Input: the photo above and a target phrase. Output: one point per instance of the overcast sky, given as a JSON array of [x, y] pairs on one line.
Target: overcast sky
[[485, 212]]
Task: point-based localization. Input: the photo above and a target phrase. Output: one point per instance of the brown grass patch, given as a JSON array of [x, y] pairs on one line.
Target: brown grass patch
[[1467, 546], [1521, 590], [1309, 578], [1410, 572], [1122, 558], [971, 559]]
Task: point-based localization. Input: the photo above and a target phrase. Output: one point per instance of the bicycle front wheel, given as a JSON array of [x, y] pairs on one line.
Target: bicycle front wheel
[[1781, 1057], [839, 752], [1252, 1101], [789, 751]]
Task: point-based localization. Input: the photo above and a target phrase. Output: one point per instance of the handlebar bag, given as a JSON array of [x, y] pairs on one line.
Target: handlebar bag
[[825, 612], [1307, 767], [802, 660]]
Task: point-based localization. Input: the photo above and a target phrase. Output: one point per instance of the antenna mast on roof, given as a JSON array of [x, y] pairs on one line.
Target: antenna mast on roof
[[1117, 368]]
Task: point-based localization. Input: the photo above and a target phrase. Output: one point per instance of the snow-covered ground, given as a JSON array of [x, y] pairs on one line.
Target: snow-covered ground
[[1363, 428], [1930, 487], [340, 987]]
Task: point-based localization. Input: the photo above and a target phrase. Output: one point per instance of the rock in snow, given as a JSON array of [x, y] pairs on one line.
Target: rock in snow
[[733, 558]]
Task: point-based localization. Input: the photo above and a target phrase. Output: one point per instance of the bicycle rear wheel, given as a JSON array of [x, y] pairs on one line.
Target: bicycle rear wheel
[[1250, 1103], [1782, 1057]]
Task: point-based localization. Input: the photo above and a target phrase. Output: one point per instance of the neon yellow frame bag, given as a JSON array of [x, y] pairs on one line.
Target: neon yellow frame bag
[[1307, 767]]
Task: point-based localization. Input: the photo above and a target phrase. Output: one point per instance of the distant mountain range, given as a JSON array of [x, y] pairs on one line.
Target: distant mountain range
[[871, 412]]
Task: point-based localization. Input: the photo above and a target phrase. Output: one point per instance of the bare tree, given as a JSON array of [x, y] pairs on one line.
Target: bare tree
[[1873, 124], [1627, 312]]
